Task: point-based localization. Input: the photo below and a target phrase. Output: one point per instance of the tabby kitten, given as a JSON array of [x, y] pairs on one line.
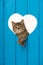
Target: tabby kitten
[[20, 30]]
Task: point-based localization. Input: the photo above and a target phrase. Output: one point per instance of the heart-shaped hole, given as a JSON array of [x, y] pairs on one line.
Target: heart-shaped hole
[[30, 21]]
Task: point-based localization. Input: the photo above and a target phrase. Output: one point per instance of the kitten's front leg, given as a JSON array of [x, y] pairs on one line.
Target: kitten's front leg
[[21, 42]]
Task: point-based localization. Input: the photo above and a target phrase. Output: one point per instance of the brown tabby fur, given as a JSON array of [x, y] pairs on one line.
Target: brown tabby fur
[[20, 30]]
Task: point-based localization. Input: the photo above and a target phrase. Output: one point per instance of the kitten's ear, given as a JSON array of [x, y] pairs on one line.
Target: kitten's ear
[[13, 23], [22, 21]]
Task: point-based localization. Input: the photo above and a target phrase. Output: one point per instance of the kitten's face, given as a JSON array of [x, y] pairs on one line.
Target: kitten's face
[[18, 27]]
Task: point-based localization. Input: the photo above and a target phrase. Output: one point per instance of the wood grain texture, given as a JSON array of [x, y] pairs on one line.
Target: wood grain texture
[[1, 32], [9, 37], [41, 32], [33, 46]]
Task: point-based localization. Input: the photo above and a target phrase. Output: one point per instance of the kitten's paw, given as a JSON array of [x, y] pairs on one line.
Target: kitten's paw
[[23, 44], [19, 41]]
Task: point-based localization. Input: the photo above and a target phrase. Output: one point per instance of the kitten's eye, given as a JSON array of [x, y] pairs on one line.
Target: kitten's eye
[[16, 27]]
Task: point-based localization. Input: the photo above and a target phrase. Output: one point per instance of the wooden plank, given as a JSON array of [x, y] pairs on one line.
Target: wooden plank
[[9, 37], [33, 43], [21, 52], [41, 32], [1, 32]]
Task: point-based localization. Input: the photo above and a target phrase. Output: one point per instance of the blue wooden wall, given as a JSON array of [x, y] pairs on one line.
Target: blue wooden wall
[[11, 53], [1, 32]]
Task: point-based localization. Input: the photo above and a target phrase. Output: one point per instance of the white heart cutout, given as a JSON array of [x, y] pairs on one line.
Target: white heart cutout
[[30, 21]]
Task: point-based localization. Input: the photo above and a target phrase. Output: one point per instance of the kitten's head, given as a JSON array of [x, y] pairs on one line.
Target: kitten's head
[[18, 27]]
